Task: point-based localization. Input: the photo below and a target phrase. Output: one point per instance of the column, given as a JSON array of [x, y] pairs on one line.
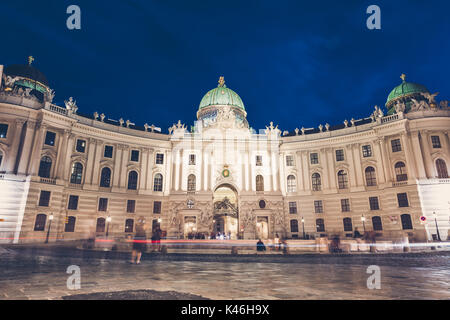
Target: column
[[357, 164], [14, 149], [250, 171], [68, 158], [97, 159], [149, 176], [352, 165], [166, 176], [300, 178], [386, 162], [205, 171], [143, 167], [306, 173], [36, 149], [180, 170], [418, 154], [210, 169], [426, 154], [123, 166], [381, 177], [62, 155], [410, 162], [275, 170], [117, 164], [328, 176], [27, 147], [90, 161]]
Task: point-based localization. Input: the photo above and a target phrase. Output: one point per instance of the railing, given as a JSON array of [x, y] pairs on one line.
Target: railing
[[56, 109], [398, 184], [75, 185], [48, 180]]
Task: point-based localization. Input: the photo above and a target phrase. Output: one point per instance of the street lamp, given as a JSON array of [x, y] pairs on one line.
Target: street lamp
[[50, 217], [363, 219], [437, 229], [303, 224], [108, 220]]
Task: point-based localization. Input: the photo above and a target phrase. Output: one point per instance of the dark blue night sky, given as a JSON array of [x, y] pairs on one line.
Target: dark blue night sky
[[296, 63]]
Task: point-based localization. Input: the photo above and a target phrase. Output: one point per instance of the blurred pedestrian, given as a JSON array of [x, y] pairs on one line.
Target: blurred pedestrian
[[260, 246], [139, 242]]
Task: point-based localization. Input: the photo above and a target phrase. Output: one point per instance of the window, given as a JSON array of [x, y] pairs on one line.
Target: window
[[70, 224], [345, 205], [191, 183], [436, 142], [376, 223], [342, 180], [318, 206], [402, 200], [108, 152], [400, 171], [129, 225], [50, 138], [316, 182], [320, 225], [3, 130], [314, 158], [347, 224], [156, 206], [44, 198], [262, 204], [289, 161], [441, 167], [135, 155], [105, 178], [294, 225], [77, 173], [293, 207], [406, 221], [373, 202], [100, 225], [259, 160], [159, 158], [259, 183], [158, 182], [44, 167], [192, 159], [396, 145], [131, 206], [132, 180], [367, 151], [102, 204], [340, 155], [81, 146], [291, 184], [371, 178], [39, 224], [73, 202]]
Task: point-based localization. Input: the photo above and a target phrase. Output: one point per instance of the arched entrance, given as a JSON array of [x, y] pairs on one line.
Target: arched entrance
[[226, 212]]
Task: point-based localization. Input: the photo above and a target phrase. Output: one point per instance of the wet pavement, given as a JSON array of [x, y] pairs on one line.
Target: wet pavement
[[38, 276]]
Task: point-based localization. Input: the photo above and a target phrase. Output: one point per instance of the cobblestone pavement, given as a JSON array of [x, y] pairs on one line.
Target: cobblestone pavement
[[26, 276]]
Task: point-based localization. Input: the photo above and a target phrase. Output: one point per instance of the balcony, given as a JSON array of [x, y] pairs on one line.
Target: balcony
[[47, 180]]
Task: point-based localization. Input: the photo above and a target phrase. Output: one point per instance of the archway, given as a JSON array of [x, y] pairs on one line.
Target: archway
[[226, 212]]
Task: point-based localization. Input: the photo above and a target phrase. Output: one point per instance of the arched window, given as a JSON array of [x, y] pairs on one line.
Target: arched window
[[320, 225], [77, 173], [406, 221], [259, 183], [105, 178], [400, 171], [191, 183], [316, 182], [294, 225], [376, 223], [371, 177], [342, 179], [70, 224], [100, 225], [291, 184], [262, 204], [44, 167], [158, 182], [129, 225], [347, 224], [39, 224], [441, 167], [132, 180]]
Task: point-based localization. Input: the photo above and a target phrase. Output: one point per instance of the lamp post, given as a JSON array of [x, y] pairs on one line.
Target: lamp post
[[363, 219], [437, 229], [303, 225], [50, 218], [108, 220]]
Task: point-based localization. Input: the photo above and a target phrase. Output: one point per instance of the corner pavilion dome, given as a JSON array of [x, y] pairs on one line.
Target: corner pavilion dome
[[221, 96], [404, 90]]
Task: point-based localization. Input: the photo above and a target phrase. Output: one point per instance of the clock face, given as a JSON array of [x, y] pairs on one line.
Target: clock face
[[226, 173]]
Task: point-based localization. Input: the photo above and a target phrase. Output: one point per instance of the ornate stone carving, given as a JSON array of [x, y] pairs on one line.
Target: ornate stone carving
[[400, 107], [71, 105], [418, 106]]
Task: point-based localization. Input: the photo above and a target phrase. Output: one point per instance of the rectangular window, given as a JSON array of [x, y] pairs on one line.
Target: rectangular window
[[135, 155], [192, 159], [131, 206], [102, 204], [73, 203], [402, 199], [292, 207], [289, 161], [340, 155], [318, 206], [44, 199], [50, 138], [157, 207], [3, 130], [108, 152], [345, 205], [314, 157], [81, 146], [367, 151], [374, 205], [259, 160], [436, 142], [159, 158], [396, 145]]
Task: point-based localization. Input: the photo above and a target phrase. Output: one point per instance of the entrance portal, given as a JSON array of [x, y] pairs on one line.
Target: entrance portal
[[225, 212], [262, 227]]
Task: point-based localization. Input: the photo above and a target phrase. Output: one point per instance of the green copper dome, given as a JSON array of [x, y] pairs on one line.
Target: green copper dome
[[221, 96], [404, 90]]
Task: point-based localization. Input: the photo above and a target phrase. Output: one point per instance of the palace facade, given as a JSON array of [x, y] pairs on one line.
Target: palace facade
[[65, 175]]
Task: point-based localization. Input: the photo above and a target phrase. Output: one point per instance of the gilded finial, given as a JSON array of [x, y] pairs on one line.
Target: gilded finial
[[30, 60], [221, 82], [403, 77]]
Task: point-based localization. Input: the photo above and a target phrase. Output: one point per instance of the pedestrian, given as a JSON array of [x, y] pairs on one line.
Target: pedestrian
[[139, 242], [276, 242], [260, 246], [357, 234], [157, 236]]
